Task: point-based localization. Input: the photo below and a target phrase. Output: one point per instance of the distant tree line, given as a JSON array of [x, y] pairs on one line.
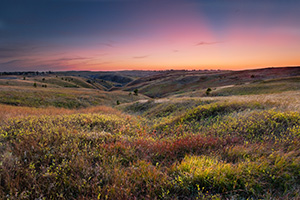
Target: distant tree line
[[27, 73]]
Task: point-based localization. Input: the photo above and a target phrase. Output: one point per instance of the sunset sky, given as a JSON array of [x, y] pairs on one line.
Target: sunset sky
[[98, 35]]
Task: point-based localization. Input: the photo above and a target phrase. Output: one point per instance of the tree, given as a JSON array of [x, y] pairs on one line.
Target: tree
[[34, 85], [136, 92], [208, 91], [118, 102]]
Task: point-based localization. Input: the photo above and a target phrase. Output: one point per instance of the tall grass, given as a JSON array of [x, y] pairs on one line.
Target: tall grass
[[216, 148], [8, 111]]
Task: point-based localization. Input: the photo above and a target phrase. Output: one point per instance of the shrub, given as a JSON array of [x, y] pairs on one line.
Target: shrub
[[208, 91]]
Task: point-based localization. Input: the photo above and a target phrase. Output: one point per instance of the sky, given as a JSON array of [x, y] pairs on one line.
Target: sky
[[107, 35]]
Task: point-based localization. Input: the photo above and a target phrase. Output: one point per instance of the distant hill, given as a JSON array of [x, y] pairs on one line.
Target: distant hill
[[109, 80], [102, 80], [178, 82], [158, 84]]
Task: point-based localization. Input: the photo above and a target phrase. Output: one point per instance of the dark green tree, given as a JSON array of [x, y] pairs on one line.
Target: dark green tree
[[208, 91]]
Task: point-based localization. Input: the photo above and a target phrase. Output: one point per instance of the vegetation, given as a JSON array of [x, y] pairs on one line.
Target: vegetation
[[211, 147], [223, 83], [65, 98], [208, 91], [261, 87]]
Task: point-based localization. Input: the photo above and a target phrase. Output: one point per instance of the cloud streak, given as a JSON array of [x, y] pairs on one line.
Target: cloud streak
[[140, 57], [206, 43], [108, 44]]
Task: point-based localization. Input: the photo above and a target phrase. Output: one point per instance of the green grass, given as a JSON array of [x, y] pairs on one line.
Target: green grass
[[65, 98], [162, 108], [262, 87], [239, 147]]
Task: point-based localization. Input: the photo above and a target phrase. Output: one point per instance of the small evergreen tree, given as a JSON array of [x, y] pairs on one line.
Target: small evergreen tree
[[34, 85], [136, 92]]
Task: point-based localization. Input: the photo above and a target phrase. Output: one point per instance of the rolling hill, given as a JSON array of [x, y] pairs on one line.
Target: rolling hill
[[77, 140], [170, 83]]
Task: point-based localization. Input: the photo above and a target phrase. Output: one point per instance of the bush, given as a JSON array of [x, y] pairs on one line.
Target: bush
[[208, 91]]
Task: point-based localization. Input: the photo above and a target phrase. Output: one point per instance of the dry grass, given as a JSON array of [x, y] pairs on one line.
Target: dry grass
[[289, 100], [238, 147], [63, 97], [286, 100], [7, 111]]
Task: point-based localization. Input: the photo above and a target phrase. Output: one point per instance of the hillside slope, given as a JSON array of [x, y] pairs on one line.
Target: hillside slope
[[176, 82]]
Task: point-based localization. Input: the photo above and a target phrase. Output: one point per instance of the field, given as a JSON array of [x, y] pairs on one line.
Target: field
[[237, 142]]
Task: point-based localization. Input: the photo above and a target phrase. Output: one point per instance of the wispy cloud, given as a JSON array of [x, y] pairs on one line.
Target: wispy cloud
[[206, 43], [12, 52], [14, 62], [18, 50], [73, 58], [62, 63], [32, 65], [109, 43], [140, 57]]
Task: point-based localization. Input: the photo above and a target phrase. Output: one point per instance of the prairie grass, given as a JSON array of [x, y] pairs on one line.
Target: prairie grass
[[244, 147], [262, 87], [63, 98], [8, 111]]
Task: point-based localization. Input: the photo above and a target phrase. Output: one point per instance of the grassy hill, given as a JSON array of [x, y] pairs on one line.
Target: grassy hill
[[62, 97], [267, 86], [240, 142], [108, 80], [50, 81], [171, 83], [261, 87]]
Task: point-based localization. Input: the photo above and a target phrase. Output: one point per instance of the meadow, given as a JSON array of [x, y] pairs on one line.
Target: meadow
[[233, 146]]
